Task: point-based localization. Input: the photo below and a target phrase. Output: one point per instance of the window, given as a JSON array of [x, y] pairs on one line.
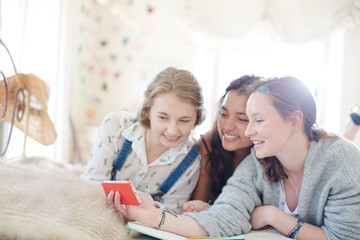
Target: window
[[31, 31], [317, 63]]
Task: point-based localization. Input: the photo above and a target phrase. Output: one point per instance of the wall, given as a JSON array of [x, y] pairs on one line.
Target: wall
[[119, 48]]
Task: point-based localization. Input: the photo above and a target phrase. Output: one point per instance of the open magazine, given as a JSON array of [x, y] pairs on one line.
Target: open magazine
[[263, 234], [156, 233]]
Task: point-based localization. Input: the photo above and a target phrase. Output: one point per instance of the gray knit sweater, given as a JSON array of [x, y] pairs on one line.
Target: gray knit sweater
[[329, 197]]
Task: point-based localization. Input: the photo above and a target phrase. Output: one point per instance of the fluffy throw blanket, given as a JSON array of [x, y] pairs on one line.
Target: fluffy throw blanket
[[54, 203]]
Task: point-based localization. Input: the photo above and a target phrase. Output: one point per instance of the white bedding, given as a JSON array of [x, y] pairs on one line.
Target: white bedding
[[54, 203]]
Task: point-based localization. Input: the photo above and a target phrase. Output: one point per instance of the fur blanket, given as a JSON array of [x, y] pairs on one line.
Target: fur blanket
[[54, 203]]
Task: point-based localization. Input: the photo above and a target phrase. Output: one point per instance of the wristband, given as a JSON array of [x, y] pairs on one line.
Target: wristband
[[163, 217], [292, 234], [162, 220]]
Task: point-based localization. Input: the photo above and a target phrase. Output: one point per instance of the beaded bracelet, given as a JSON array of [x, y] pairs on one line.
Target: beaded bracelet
[[292, 230], [292, 234], [163, 216]]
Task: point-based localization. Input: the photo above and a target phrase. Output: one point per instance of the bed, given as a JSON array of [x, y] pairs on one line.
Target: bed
[[40, 200]]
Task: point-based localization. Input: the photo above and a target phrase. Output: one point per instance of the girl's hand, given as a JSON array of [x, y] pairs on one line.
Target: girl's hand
[[195, 206], [146, 212]]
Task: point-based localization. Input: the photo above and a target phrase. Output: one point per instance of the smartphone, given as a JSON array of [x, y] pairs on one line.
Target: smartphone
[[128, 193]]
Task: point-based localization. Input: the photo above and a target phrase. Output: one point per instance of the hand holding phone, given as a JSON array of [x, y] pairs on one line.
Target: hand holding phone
[[128, 193]]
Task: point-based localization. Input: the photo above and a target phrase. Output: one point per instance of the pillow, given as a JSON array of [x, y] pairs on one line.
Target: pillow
[[54, 203]]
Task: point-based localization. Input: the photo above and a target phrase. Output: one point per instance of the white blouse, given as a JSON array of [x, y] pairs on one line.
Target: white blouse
[[282, 203], [118, 126]]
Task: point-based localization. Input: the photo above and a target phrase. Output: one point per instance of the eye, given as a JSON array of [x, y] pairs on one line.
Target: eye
[[243, 120], [222, 114], [259, 121], [162, 117], [185, 121]]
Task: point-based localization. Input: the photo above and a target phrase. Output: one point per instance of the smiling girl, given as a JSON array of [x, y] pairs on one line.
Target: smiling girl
[[158, 141], [225, 146]]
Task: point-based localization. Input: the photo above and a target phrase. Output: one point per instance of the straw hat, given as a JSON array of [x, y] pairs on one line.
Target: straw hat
[[40, 126]]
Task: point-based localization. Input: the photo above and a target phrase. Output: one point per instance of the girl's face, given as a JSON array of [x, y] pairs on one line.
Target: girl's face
[[268, 130], [171, 120], [233, 121]]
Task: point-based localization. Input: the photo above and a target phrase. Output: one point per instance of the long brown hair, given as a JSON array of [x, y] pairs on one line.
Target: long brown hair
[[221, 160], [288, 94]]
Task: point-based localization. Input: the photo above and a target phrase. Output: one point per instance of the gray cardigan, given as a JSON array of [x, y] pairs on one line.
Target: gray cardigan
[[329, 197]]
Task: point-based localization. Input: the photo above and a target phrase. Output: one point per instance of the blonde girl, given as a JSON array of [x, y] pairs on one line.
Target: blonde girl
[[159, 139]]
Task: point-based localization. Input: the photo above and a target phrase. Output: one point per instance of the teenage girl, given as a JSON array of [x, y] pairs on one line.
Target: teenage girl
[[225, 146], [159, 139]]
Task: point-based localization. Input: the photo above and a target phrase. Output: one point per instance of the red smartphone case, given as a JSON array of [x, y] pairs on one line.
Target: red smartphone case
[[126, 189]]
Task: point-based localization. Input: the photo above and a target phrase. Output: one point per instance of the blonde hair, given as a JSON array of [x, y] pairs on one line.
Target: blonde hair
[[182, 83]]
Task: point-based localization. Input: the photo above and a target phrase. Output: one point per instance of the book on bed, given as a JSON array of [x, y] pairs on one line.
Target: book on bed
[[156, 233]]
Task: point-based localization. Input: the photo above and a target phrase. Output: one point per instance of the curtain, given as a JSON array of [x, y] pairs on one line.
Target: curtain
[[294, 20]]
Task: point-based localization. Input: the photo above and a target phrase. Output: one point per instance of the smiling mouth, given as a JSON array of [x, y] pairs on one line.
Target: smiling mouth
[[258, 142], [171, 139], [228, 136]]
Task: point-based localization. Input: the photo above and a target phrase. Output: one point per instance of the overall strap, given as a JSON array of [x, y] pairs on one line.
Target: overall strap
[[176, 174], [119, 161]]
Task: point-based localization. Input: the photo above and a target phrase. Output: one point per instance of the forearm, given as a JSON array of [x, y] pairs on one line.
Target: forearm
[[178, 224], [350, 130], [285, 223], [149, 214]]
